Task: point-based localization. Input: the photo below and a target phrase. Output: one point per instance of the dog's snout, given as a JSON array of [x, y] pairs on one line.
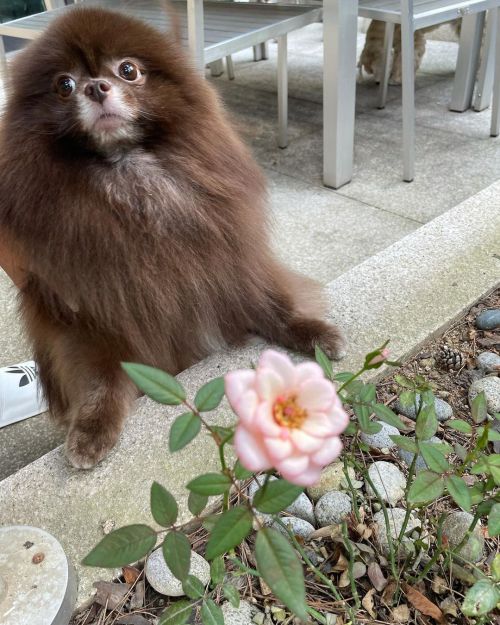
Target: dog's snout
[[98, 90]]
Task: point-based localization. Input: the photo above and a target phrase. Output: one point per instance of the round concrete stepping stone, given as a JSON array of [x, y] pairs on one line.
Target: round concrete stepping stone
[[37, 582]]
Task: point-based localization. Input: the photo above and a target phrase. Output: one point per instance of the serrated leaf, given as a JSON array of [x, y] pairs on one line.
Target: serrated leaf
[[230, 529], [123, 546], [193, 587], [323, 361], [211, 614], [210, 395], [177, 553], [185, 427], [479, 409], [426, 487], [494, 521], [481, 598], [217, 570], [275, 496], [343, 377], [232, 595], [157, 384], [434, 458], [405, 443], [385, 414], [240, 473], [177, 614], [459, 492], [426, 424], [197, 503], [459, 425], [210, 484], [281, 569], [163, 505]]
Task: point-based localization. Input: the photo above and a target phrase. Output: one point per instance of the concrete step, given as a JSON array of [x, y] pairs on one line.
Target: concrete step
[[406, 293]]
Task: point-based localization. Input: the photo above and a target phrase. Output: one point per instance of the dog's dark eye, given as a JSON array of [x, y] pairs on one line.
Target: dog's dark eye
[[129, 71], [65, 86]]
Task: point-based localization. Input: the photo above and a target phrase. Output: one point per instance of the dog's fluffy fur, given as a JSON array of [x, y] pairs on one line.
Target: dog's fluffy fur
[[372, 56], [140, 220]]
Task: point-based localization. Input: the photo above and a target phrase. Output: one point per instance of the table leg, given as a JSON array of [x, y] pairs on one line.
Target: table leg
[[340, 26], [467, 62]]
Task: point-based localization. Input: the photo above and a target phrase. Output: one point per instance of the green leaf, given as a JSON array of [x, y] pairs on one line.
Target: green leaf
[[368, 393], [177, 553], [210, 484], [157, 384], [495, 568], [197, 503], [427, 423], [240, 473], [479, 408], [404, 381], [481, 598], [460, 451], [323, 361], [459, 492], [351, 429], [225, 434], [177, 614], [494, 521], [477, 493], [426, 487], [123, 546], [217, 570], [363, 413], [485, 507], [281, 569], [275, 496], [385, 414], [343, 376], [407, 398], [183, 430], [408, 444], [232, 595], [459, 425], [192, 587], [211, 614], [163, 505], [434, 458], [230, 529], [210, 395]]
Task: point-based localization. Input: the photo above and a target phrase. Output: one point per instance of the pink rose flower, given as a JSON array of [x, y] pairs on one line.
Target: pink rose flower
[[290, 418], [383, 356]]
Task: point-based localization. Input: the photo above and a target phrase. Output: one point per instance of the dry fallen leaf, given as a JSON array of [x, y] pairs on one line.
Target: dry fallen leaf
[[137, 598], [110, 594], [376, 576], [367, 603], [341, 565], [344, 579], [264, 588], [422, 604], [401, 614], [449, 606], [439, 585], [130, 573], [132, 619]]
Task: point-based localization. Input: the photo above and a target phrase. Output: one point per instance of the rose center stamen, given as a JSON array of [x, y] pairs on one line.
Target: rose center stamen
[[288, 413]]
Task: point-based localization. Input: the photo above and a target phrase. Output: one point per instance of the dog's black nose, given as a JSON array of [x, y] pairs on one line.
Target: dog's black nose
[[98, 90]]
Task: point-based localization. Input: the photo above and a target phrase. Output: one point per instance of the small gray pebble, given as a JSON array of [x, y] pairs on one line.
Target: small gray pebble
[[388, 481], [454, 529], [162, 580], [376, 506], [491, 388], [381, 439], [333, 508], [488, 319], [489, 362], [242, 615], [298, 526], [396, 518], [259, 618], [407, 456], [303, 508], [332, 478], [443, 409]]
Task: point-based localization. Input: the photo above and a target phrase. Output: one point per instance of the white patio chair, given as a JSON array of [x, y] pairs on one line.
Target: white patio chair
[[413, 15], [213, 31]]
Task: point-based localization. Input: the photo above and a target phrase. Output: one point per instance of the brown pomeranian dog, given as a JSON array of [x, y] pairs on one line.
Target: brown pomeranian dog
[[140, 220]]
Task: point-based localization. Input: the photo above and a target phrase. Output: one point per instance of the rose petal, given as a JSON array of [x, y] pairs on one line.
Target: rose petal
[[269, 384], [265, 422], [308, 371], [319, 424], [236, 383], [329, 451], [281, 364], [309, 477], [316, 394], [278, 448], [246, 408], [293, 465], [304, 442], [339, 419], [251, 450]]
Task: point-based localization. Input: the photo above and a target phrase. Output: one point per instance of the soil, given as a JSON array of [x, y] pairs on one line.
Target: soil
[[441, 589]]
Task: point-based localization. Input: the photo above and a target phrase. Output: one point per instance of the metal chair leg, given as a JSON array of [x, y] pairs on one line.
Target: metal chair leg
[[257, 53], [230, 67], [467, 61], [3, 59], [386, 65], [408, 84], [495, 109], [282, 92], [216, 68], [264, 51], [482, 98]]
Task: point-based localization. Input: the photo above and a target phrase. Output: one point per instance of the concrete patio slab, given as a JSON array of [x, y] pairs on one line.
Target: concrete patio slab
[[392, 295]]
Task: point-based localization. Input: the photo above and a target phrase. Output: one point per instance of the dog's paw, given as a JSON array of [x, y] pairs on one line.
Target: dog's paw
[[84, 451], [333, 343]]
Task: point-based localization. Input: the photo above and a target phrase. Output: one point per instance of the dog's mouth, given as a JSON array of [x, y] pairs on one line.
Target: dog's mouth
[[109, 122]]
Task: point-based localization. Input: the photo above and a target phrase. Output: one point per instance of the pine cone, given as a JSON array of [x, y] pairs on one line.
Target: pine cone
[[451, 359]]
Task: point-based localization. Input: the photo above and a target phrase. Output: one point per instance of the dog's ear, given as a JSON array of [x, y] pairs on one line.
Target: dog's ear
[[175, 22]]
